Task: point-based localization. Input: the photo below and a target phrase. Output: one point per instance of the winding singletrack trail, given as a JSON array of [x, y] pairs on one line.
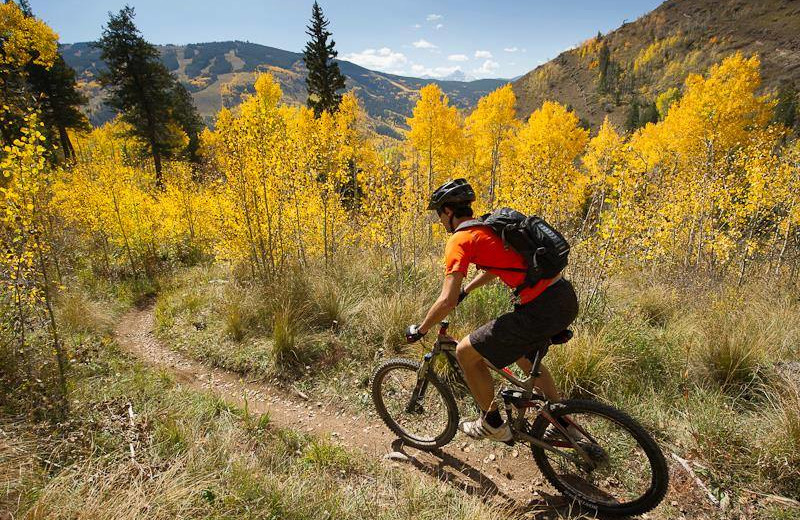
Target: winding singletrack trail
[[500, 475]]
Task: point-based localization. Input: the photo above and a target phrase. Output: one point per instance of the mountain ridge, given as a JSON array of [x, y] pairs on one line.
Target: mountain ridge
[[220, 73]]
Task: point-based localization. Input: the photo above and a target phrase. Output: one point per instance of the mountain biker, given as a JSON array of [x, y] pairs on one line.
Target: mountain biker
[[544, 309]]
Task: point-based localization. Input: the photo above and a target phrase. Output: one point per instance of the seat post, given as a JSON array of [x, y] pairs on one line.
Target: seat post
[[537, 361]]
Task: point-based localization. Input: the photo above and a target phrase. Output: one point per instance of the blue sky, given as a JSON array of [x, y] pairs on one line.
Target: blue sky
[[482, 38]]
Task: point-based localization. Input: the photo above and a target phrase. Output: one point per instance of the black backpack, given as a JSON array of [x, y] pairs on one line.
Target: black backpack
[[543, 248]]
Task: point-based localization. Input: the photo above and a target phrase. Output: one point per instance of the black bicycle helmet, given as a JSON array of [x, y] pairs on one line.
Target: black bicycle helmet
[[452, 192]]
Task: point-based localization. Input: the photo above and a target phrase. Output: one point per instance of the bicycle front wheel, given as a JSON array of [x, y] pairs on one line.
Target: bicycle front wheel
[[426, 423], [627, 475]]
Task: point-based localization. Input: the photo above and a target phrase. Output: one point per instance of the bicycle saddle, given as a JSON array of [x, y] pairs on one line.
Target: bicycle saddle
[[562, 337]]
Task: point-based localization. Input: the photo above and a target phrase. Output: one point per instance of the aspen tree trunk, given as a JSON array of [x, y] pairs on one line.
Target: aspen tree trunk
[[61, 358], [122, 231]]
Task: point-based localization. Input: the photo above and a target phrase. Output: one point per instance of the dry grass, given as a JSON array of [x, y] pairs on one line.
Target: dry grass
[[779, 443], [587, 365], [696, 364], [79, 314], [195, 457]]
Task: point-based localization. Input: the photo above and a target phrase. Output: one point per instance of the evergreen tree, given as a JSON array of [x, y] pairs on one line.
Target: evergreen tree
[[141, 87], [59, 100], [632, 120], [324, 77], [186, 116], [786, 109], [648, 114]]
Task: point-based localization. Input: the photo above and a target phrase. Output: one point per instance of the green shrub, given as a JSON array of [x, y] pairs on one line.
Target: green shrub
[[326, 455]]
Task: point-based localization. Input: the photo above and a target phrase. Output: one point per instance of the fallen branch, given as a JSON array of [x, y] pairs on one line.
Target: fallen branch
[[685, 465], [133, 425], [786, 501]]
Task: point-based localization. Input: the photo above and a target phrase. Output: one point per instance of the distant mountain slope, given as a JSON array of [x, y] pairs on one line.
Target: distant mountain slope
[[645, 58], [221, 72]]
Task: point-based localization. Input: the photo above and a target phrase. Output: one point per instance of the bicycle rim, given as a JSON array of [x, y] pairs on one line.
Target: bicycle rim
[[424, 424], [623, 473]]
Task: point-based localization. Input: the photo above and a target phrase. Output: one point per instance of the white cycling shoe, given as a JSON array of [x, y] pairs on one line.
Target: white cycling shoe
[[480, 429]]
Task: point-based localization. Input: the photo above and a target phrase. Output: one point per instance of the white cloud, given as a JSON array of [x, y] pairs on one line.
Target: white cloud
[[458, 57], [434, 72], [416, 26], [511, 49], [487, 68], [439, 26], [483, 54], [434, 17], [423, 44], [383, 59]]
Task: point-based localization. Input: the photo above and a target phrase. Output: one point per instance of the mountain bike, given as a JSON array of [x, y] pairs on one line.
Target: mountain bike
[[591, 452]]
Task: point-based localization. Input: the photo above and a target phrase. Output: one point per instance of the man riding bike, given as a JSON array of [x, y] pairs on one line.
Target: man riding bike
[[544, 309]]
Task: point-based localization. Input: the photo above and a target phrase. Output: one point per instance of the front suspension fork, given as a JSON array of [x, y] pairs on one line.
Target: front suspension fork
[[418, 395]]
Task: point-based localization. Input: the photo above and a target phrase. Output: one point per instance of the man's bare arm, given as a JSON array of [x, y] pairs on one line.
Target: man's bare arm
[[447, 301], [482, 279]]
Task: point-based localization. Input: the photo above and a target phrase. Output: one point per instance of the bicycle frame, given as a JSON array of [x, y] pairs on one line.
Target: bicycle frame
[[520, 399]]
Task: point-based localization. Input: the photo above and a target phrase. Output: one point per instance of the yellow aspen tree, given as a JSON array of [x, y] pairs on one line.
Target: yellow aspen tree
[[435, 135], [24, 258], [604, 162], [490, 128], [544, 178], [702, 132]]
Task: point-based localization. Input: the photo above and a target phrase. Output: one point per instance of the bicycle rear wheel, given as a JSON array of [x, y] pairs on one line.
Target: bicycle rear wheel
[[628, 474], [429, 423]]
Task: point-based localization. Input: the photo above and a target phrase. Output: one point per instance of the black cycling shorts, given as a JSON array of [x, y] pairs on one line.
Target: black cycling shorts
[[528, 327]]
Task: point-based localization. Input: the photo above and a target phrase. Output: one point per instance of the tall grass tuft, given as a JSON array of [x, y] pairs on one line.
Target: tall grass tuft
[[334, 303], [284, 336], [779, 442], [384, 319], [586, 365], [734, 347], [79, 314]]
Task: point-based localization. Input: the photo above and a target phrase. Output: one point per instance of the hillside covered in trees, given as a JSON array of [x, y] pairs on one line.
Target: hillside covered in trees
[[621, 74]]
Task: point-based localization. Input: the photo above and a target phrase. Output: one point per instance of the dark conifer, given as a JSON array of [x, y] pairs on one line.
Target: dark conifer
[[186, 116], [59, 100], [140, 87], [324, 77]]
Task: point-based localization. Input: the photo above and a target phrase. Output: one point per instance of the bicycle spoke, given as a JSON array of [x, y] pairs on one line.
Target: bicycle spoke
[[423, 424], [619, 472]]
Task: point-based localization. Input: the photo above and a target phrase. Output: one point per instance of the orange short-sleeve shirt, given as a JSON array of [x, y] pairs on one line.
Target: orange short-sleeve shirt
[[479, 245]]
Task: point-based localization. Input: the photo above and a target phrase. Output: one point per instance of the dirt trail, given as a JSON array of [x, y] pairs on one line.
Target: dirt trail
[[501, 474]]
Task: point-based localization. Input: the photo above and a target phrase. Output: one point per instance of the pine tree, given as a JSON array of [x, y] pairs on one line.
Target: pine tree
[[60, 101], [787, 106], [141, 86], [324, 77], [185, 114]]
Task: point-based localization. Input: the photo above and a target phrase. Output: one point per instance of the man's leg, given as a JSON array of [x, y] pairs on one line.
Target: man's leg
[[476, 373], [544, 382]]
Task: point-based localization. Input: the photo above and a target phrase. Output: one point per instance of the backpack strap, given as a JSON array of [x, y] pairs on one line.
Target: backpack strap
[[469, 224]]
